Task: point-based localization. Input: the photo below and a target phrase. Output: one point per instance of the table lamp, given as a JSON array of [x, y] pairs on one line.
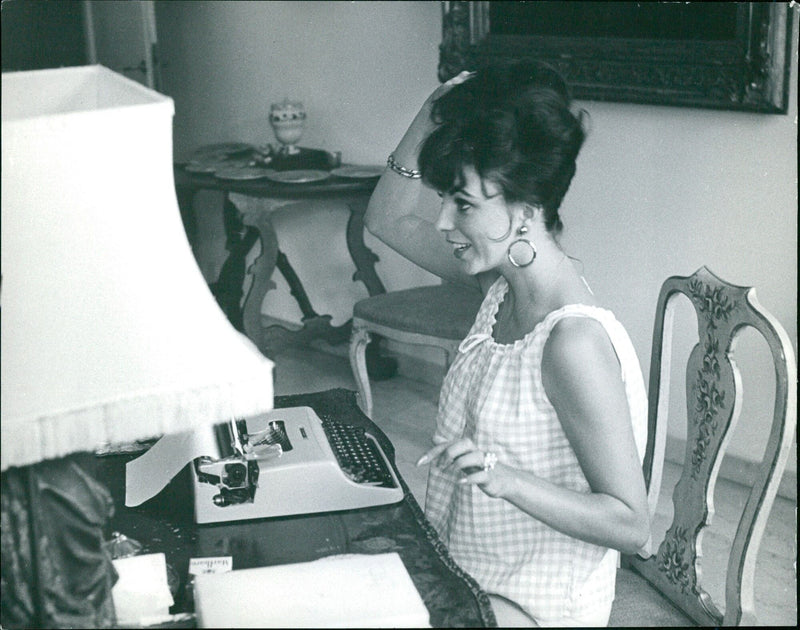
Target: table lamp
[[109, 331]]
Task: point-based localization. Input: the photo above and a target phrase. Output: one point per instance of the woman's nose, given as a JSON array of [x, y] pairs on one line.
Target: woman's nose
[[444, 222]]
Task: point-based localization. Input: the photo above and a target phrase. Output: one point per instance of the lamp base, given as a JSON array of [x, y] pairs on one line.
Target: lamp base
[[55, 571]]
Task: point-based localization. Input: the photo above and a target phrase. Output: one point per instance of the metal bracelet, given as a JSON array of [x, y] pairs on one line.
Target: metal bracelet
[[402, 170]]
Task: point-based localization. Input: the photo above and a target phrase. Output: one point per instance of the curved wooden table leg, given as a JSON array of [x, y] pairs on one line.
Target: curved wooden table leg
[[228, 288], [256, 213], [261, 270], [363, 257], [296, 288]]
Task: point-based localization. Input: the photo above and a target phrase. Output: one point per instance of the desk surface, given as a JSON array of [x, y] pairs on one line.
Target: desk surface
[[166, 524]]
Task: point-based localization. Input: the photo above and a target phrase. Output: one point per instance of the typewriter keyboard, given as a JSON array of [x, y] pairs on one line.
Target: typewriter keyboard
[[358, 454]]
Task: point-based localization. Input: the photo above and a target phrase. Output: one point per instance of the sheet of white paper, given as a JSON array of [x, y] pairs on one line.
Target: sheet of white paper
[[345, 591], [147, 475], [142, 590]]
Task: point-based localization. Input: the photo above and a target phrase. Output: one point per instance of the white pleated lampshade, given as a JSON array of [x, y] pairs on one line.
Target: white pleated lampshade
[[109, 331]]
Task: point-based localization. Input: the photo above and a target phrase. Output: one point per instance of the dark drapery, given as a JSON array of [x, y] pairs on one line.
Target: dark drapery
[[55, 570]]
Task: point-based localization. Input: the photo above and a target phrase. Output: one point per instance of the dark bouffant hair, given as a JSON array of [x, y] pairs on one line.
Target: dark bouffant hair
[[514, 125]]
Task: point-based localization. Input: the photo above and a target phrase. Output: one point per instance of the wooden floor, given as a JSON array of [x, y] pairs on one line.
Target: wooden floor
[[405, 409]]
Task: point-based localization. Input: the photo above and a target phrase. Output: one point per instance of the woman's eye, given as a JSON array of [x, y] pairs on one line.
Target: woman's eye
[[462, 206]]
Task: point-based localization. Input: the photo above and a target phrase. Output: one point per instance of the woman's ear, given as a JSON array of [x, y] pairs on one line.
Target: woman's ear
[[531, 212], [521, 213]]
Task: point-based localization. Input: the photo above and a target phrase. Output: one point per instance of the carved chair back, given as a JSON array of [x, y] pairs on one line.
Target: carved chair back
[[713, 386]]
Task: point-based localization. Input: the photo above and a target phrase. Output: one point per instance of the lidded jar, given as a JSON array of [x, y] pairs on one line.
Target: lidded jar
[[288, 120]]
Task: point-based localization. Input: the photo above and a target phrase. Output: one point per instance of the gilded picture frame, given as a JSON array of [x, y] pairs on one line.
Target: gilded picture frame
[[747, 70]]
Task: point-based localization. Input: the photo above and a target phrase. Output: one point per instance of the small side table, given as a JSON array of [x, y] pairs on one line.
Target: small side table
[[247, 208]]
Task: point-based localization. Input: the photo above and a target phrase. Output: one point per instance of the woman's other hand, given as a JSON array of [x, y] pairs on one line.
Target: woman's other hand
[[477, 467]]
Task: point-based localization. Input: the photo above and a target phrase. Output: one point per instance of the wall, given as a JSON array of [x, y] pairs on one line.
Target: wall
[[362, 69], [662, 191], [659, 191]]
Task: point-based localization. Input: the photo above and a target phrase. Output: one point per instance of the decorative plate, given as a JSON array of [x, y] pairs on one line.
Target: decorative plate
[[200, 167], [357, 171], [241, 173], [297, 177]]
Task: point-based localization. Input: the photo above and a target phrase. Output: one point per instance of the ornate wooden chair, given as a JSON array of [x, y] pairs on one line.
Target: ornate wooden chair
[[439, 315], [664, 588]]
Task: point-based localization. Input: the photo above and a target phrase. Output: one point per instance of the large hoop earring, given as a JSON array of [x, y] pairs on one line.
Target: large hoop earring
[[521, 258]]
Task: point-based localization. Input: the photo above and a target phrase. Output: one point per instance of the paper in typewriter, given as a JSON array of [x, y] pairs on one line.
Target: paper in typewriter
[[343, 591], [149, 473]]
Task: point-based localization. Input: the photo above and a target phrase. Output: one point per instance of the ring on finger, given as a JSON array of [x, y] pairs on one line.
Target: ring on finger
[[489, 461]]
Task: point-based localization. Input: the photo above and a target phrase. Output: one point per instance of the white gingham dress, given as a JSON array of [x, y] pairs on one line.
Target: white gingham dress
[[493, 394]]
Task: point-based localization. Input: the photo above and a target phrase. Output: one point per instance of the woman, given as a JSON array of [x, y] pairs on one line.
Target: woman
[[535, 478]]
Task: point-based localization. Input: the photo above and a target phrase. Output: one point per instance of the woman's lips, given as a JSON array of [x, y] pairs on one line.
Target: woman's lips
[[459, 248]]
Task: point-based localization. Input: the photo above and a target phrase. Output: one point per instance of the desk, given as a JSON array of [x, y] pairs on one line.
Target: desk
[[247, 207], [165, 524]]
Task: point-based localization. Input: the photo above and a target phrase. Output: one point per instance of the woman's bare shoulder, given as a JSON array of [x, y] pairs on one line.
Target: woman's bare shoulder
[[575, 345]]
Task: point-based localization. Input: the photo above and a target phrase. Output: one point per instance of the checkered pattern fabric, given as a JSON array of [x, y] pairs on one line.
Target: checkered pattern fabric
[[494, 395]]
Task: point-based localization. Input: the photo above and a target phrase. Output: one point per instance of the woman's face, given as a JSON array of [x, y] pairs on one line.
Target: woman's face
[[471, 216]]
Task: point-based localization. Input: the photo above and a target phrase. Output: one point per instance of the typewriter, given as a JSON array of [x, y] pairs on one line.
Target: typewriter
[[289, 461]]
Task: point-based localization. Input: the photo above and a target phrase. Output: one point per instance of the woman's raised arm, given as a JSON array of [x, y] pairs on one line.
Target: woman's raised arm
[[402, 211]]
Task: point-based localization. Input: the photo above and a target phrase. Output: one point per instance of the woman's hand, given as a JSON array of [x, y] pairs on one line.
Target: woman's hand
[[476, 466], [422, 124], [445, 87]]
